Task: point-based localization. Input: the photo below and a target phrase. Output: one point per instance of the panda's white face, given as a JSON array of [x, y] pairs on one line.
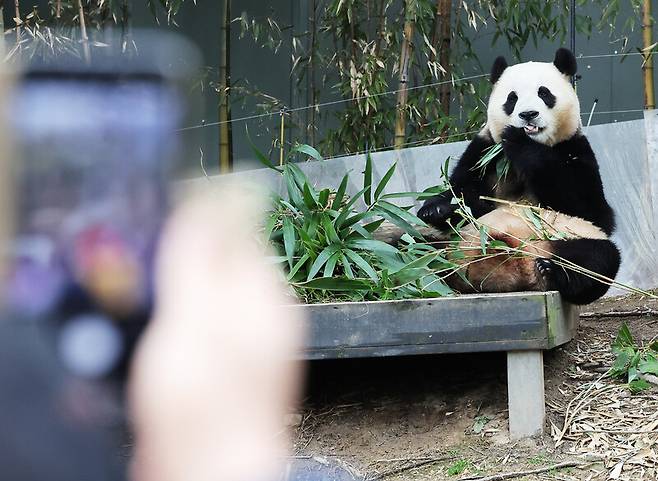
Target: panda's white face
[[537, 97]]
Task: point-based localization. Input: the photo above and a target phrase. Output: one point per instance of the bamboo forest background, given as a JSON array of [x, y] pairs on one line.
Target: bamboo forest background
[[353, 75]]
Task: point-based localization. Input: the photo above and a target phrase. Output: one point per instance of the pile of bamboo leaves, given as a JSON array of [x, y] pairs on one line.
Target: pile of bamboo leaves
[[328, 250]]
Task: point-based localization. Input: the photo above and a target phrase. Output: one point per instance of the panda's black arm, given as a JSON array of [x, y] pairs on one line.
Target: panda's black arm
[[466, 181], [564, 177]]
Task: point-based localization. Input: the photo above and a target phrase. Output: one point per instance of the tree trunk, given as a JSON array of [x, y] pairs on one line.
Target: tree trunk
[[647, 66], [225, 134], [444, 8], [405, 59]]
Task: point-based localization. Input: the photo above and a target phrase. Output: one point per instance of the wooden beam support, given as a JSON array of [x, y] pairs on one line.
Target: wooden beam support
[[525, 391]]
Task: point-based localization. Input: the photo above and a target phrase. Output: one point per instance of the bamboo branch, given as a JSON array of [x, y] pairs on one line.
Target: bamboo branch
[[17, 20], [445, 90], [405, 60], [3, 48], [225, 160], [647, 50], [83, 32], [311, 69], [518, 474]]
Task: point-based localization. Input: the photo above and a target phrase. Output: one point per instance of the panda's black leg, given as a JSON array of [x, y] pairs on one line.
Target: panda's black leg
[[597, 255]]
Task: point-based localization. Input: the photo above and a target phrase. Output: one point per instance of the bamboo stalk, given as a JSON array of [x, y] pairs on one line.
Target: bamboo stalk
[[647, 66], [125, 25], [445, 90], [17, 20], [282, 136], [405, 60], [58, 9], [311, 68], [3, 48], [225, 157], [83, 32]]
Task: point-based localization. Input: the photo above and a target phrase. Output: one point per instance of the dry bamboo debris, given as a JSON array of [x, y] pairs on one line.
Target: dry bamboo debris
[[518, 474], [634, 313], [604, 422]]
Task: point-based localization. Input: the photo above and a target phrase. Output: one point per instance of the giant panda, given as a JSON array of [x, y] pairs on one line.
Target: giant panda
[[534, 112]]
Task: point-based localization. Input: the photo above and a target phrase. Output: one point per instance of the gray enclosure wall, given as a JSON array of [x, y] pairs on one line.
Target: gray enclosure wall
[[630, 179]]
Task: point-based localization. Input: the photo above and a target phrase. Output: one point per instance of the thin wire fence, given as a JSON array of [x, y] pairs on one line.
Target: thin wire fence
[[416, 143], [322, 105], [437, 140], [331, 103]]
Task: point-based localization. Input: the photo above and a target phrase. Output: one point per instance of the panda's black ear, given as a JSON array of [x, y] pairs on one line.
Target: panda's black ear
[[565, 61], [499, 65]]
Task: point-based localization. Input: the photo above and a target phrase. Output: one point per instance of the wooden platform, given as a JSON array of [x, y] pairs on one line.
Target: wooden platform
[[522, 324]]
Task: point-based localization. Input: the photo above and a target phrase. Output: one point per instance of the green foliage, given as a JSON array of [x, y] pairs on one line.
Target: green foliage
[[632, 360], [351, 50], [480, 422], [170, 6], [55, 29], [326, 245], [458, 467]]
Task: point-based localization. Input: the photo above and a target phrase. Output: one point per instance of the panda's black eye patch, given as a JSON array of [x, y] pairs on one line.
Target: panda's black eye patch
[[509, 104], [547, 96]]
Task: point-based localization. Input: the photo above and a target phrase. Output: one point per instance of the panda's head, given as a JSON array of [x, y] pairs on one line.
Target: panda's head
[[536, 96]]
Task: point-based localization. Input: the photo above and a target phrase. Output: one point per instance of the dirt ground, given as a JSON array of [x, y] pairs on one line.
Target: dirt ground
[[445, 417]]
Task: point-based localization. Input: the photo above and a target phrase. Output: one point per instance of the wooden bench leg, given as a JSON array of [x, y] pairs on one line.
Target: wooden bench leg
[[525, 390]]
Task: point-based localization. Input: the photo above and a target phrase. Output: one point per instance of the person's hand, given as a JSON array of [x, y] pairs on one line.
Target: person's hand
[[213, 377]]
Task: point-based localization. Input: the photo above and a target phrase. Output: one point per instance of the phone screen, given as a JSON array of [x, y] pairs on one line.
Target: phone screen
[[96, 152]]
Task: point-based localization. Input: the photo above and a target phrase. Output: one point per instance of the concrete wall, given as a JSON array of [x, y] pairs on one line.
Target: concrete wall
[[621, 149]]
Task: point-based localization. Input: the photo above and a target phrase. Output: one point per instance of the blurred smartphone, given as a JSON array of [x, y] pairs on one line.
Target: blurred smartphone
[[97, 144]]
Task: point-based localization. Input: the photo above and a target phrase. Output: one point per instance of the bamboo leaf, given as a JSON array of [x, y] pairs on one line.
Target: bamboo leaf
[[398, 221], [345, 211], [260, 156], [323, 198], [346, 266], [322, 258], [382, 183], [362, 263], [340, 193], [298, 265], [375, 246], [309, 199], [337, 284], [289, 239], [330, 266], [330, 231], [306, 149], [367, 180], [403, 214]]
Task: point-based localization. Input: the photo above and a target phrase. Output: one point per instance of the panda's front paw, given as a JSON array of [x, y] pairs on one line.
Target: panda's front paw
[[437, 211], [514, 135]]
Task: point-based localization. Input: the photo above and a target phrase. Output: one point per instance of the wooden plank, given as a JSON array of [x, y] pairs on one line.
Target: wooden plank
[[471, 323], [525, 393], [562, 321]]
